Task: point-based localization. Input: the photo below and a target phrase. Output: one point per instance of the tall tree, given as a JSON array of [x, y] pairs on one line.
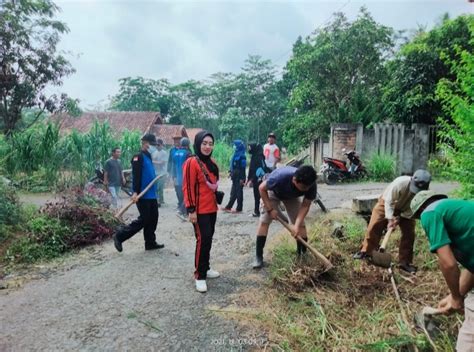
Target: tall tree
[[337, 75], [29, 59], [410, 95], [142, 94]]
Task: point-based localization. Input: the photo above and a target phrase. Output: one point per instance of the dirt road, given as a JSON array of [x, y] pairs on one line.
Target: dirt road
[[101, 300]]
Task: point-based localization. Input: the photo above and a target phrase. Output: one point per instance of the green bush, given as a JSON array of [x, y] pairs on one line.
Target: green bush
[[221, 154], [457, 131], [9, 205], [45, 240], [382, 167]]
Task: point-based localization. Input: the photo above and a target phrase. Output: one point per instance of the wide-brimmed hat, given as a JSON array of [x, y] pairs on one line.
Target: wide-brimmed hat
[[422, 197]]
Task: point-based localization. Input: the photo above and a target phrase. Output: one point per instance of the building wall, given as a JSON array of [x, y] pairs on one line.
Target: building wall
[[410, 145]]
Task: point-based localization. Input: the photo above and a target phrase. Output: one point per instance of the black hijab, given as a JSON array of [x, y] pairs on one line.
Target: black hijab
[[206, 159]]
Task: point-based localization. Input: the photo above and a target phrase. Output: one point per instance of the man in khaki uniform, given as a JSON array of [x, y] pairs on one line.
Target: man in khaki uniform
[[449, 226], [392, 209]]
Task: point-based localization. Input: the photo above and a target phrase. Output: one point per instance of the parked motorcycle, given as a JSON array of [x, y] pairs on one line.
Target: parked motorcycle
[[335, 170]]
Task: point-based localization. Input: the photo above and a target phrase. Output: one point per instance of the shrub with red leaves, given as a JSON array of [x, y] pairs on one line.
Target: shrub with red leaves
[[89, 222]]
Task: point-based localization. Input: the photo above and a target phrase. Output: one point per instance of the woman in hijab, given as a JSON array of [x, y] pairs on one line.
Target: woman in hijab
[[237, 175], [257, 169], [200, 183]]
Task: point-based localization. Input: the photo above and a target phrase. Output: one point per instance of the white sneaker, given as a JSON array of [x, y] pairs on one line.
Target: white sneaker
[[212, 274], [201, 286]]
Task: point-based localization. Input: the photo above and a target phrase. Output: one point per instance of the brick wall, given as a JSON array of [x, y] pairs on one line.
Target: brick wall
[[343, 136]]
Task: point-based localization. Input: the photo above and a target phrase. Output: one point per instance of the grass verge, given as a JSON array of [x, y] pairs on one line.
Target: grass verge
[[353, 307]]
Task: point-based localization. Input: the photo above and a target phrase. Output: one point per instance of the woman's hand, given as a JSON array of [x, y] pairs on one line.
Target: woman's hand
[[193, 218]]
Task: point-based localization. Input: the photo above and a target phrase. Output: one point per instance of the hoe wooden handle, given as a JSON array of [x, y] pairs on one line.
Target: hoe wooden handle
[[313, 250], [125, 208], [386, 238]]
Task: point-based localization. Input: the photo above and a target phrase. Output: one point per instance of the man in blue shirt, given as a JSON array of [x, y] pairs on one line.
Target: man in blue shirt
[[286, 184], [143, 172], [179, 157]]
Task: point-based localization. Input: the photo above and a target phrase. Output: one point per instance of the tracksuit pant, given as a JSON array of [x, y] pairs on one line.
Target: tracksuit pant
[[204, 231], [147, 220], [378, 223]]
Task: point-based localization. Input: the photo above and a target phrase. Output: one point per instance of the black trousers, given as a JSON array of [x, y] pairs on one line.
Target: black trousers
[[148, 220], [236, 193], [256, 195], [204, 231]]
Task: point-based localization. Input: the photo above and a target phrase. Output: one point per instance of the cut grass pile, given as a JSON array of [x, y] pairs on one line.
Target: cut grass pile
[[352, 307]]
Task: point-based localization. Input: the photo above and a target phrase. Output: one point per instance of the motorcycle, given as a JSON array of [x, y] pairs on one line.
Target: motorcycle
[[335, 170]]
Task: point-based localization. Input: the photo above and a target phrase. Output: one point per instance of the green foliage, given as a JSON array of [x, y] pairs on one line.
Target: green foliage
[[336, 75], [39, 159], [30, 35], [458, 104], [233, 125], [141, 94], [222, 154], [382, 167], [410, 95], [9, 205]]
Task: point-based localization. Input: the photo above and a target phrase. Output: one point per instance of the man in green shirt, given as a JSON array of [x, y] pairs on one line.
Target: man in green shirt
[[449, 225]]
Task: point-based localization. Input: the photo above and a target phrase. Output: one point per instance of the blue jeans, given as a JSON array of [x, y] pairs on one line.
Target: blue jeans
[[114, 192]]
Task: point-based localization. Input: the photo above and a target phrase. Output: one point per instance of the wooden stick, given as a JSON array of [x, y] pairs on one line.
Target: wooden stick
[[400, 303], [125, 208], [313, 250]]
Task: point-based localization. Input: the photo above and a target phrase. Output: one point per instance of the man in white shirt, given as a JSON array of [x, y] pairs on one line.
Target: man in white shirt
[[160, 161], [271, 152], [392, 209]]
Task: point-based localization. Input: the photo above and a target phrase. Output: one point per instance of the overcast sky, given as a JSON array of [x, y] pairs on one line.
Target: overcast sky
[[182, 40]]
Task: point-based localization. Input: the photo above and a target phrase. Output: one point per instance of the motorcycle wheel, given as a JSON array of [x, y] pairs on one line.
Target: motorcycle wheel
[[330, 177]]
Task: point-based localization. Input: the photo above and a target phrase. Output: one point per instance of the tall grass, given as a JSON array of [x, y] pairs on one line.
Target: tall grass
[[382, 167], [222, 154], [40, 158]]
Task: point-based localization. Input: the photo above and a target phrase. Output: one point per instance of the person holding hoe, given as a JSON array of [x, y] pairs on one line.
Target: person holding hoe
[[392, 210], [449, 226], [286, 184], [143, 172]]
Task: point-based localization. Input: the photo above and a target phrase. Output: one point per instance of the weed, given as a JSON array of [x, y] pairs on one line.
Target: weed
[[382, 167]]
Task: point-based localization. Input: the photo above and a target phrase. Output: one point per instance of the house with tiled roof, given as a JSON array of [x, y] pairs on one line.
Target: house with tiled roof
[[192, 132], [170, 134], [119, 121]]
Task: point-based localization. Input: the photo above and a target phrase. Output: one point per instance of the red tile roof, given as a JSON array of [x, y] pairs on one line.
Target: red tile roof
[[168, 133], [192, 132], [119, 121]]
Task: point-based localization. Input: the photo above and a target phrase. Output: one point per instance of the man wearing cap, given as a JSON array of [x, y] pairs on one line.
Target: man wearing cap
[[392, 209], [179, 157], [449, 226], [143, 173], [271, 152]]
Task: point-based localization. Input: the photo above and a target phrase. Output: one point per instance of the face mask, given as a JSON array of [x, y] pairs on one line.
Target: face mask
[[151, 149]]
